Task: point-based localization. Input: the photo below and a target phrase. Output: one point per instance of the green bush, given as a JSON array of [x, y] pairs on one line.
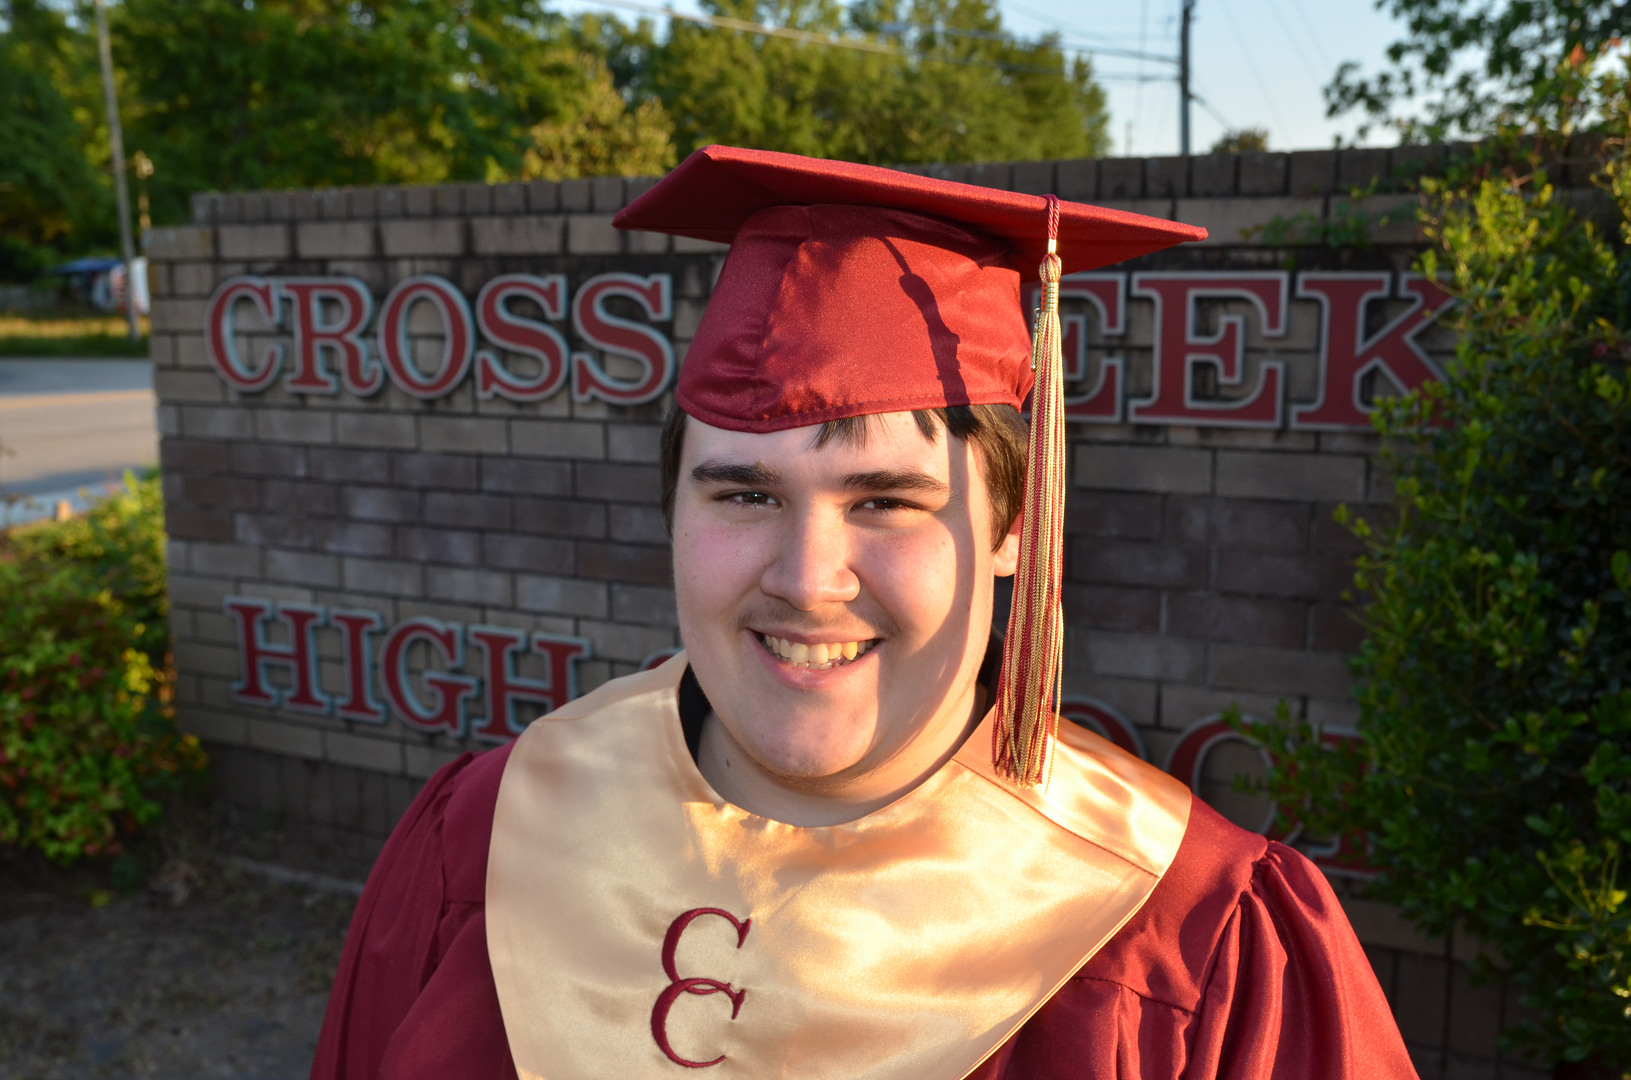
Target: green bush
[[1493, 782], [87, 731]]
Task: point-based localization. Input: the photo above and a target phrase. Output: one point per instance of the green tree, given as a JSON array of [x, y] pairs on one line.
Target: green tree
[[600, 134], [1473, 64], [53, 195], [242, 94], [305, 93], [949, 84], [1493, 780], [1241, 141]]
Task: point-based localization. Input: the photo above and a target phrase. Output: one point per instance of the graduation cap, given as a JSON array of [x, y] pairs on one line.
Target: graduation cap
[[851, 290]]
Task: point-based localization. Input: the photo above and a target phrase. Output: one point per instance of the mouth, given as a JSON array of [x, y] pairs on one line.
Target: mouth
[[822, 656]]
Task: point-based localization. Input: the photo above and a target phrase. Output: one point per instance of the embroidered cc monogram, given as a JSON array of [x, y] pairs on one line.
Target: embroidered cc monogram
[[677, 986]]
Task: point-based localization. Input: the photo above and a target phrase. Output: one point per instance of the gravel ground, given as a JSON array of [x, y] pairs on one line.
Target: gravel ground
[[200, 971]]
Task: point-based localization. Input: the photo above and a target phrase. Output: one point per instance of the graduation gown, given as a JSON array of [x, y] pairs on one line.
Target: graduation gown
[[1238, 964]]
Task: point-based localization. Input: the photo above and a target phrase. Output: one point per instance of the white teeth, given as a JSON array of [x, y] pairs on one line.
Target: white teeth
[[822, 656]]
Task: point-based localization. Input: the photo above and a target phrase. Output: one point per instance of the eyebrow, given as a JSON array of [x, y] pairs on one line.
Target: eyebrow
[[884, 480], [714, 471]]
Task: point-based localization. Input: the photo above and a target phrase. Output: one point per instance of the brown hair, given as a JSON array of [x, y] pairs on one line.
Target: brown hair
[[997, 430]]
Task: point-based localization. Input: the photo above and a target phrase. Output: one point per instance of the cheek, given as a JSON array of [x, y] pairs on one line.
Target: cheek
[[914, 578], [714, 565]]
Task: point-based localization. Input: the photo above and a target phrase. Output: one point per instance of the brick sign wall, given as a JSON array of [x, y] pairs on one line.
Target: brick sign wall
[[409, 441], [410, 466]]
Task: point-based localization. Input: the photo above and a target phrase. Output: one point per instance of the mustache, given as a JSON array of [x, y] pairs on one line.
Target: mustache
[[852, 625]]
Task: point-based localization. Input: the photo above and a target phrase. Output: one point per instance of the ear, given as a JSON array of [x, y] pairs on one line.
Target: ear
[[1006, 559]]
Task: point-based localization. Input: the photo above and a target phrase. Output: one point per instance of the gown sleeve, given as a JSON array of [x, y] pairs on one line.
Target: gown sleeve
[[1241, 966], [413, 998]]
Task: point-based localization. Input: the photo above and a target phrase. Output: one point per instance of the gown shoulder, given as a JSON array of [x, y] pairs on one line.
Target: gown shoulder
[[1240, 966]]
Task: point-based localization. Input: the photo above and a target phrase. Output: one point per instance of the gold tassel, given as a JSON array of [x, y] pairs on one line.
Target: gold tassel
[[1028, 701]]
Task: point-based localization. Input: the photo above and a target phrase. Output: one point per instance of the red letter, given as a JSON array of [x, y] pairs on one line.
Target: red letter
[[458, 341], [1106, 720], [312, 335], [1187, 758], [254, 653], [525, 336], [1108, 295], [223, 352], [451, 690], [1347, 358], [504, 688], [658, 659], [623, 337], [359, 703], [1178, 353], [703, 986]]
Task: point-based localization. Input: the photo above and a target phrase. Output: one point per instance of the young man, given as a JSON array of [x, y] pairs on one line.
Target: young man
[[830, 839]]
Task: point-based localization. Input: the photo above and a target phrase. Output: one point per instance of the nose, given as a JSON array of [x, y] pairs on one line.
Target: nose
[[811, 567]]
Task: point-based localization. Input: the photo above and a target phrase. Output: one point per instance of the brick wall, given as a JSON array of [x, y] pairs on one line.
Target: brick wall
[[1204, 569], [542, 517]]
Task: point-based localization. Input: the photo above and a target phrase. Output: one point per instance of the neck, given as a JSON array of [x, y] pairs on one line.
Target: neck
[[836, 800]]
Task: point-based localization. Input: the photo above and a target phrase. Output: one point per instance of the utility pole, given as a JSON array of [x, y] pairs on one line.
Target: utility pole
[[1183, 77], [116, 139]]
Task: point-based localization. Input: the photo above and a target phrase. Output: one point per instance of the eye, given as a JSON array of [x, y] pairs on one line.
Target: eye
[[747, 498], [885, 504]]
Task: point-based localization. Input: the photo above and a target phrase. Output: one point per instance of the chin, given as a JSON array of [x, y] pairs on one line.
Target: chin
[[805, 750]]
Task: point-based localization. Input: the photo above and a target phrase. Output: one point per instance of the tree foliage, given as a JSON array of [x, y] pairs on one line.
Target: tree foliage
[[1494, 777], [1474, 64], [1241, 141], [953, 85], [51, 188], [309, 93], [602, 134], [244, 94]]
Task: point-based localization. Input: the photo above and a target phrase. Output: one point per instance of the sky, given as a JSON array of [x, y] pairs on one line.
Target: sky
[[1256, 63]]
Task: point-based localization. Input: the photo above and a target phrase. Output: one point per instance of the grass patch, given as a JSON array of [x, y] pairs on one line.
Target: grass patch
[[92, 336]]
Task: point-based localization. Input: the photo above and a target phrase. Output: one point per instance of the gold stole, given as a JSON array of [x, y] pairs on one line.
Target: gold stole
[[638, 924]]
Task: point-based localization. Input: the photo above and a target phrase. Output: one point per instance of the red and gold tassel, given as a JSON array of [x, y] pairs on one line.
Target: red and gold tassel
[[1028, 701]]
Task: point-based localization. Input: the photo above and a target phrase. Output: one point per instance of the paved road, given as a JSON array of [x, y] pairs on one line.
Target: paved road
[[71, 424]]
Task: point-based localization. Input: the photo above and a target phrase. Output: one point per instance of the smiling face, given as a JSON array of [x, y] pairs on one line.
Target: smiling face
[[835, 603]]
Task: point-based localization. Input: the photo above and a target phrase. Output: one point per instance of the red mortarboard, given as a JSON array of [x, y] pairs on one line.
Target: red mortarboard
[[851, 290]]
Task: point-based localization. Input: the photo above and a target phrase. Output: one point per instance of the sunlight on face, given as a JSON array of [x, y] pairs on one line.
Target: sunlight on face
[[835, 603]]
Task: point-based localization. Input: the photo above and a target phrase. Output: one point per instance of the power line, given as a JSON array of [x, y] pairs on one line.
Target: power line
[[1313, 38], [1072, 31], [810, 38], [1219, 117], [1251, 65], [1130, 77], [1296, 46], [1138, 95], [986, 35]]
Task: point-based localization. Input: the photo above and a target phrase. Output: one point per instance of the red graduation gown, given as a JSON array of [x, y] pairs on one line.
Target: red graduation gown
[[1240, 966]]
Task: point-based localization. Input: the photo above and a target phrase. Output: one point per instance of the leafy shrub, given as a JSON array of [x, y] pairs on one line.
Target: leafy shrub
[[87, 732], [1493, 781]]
